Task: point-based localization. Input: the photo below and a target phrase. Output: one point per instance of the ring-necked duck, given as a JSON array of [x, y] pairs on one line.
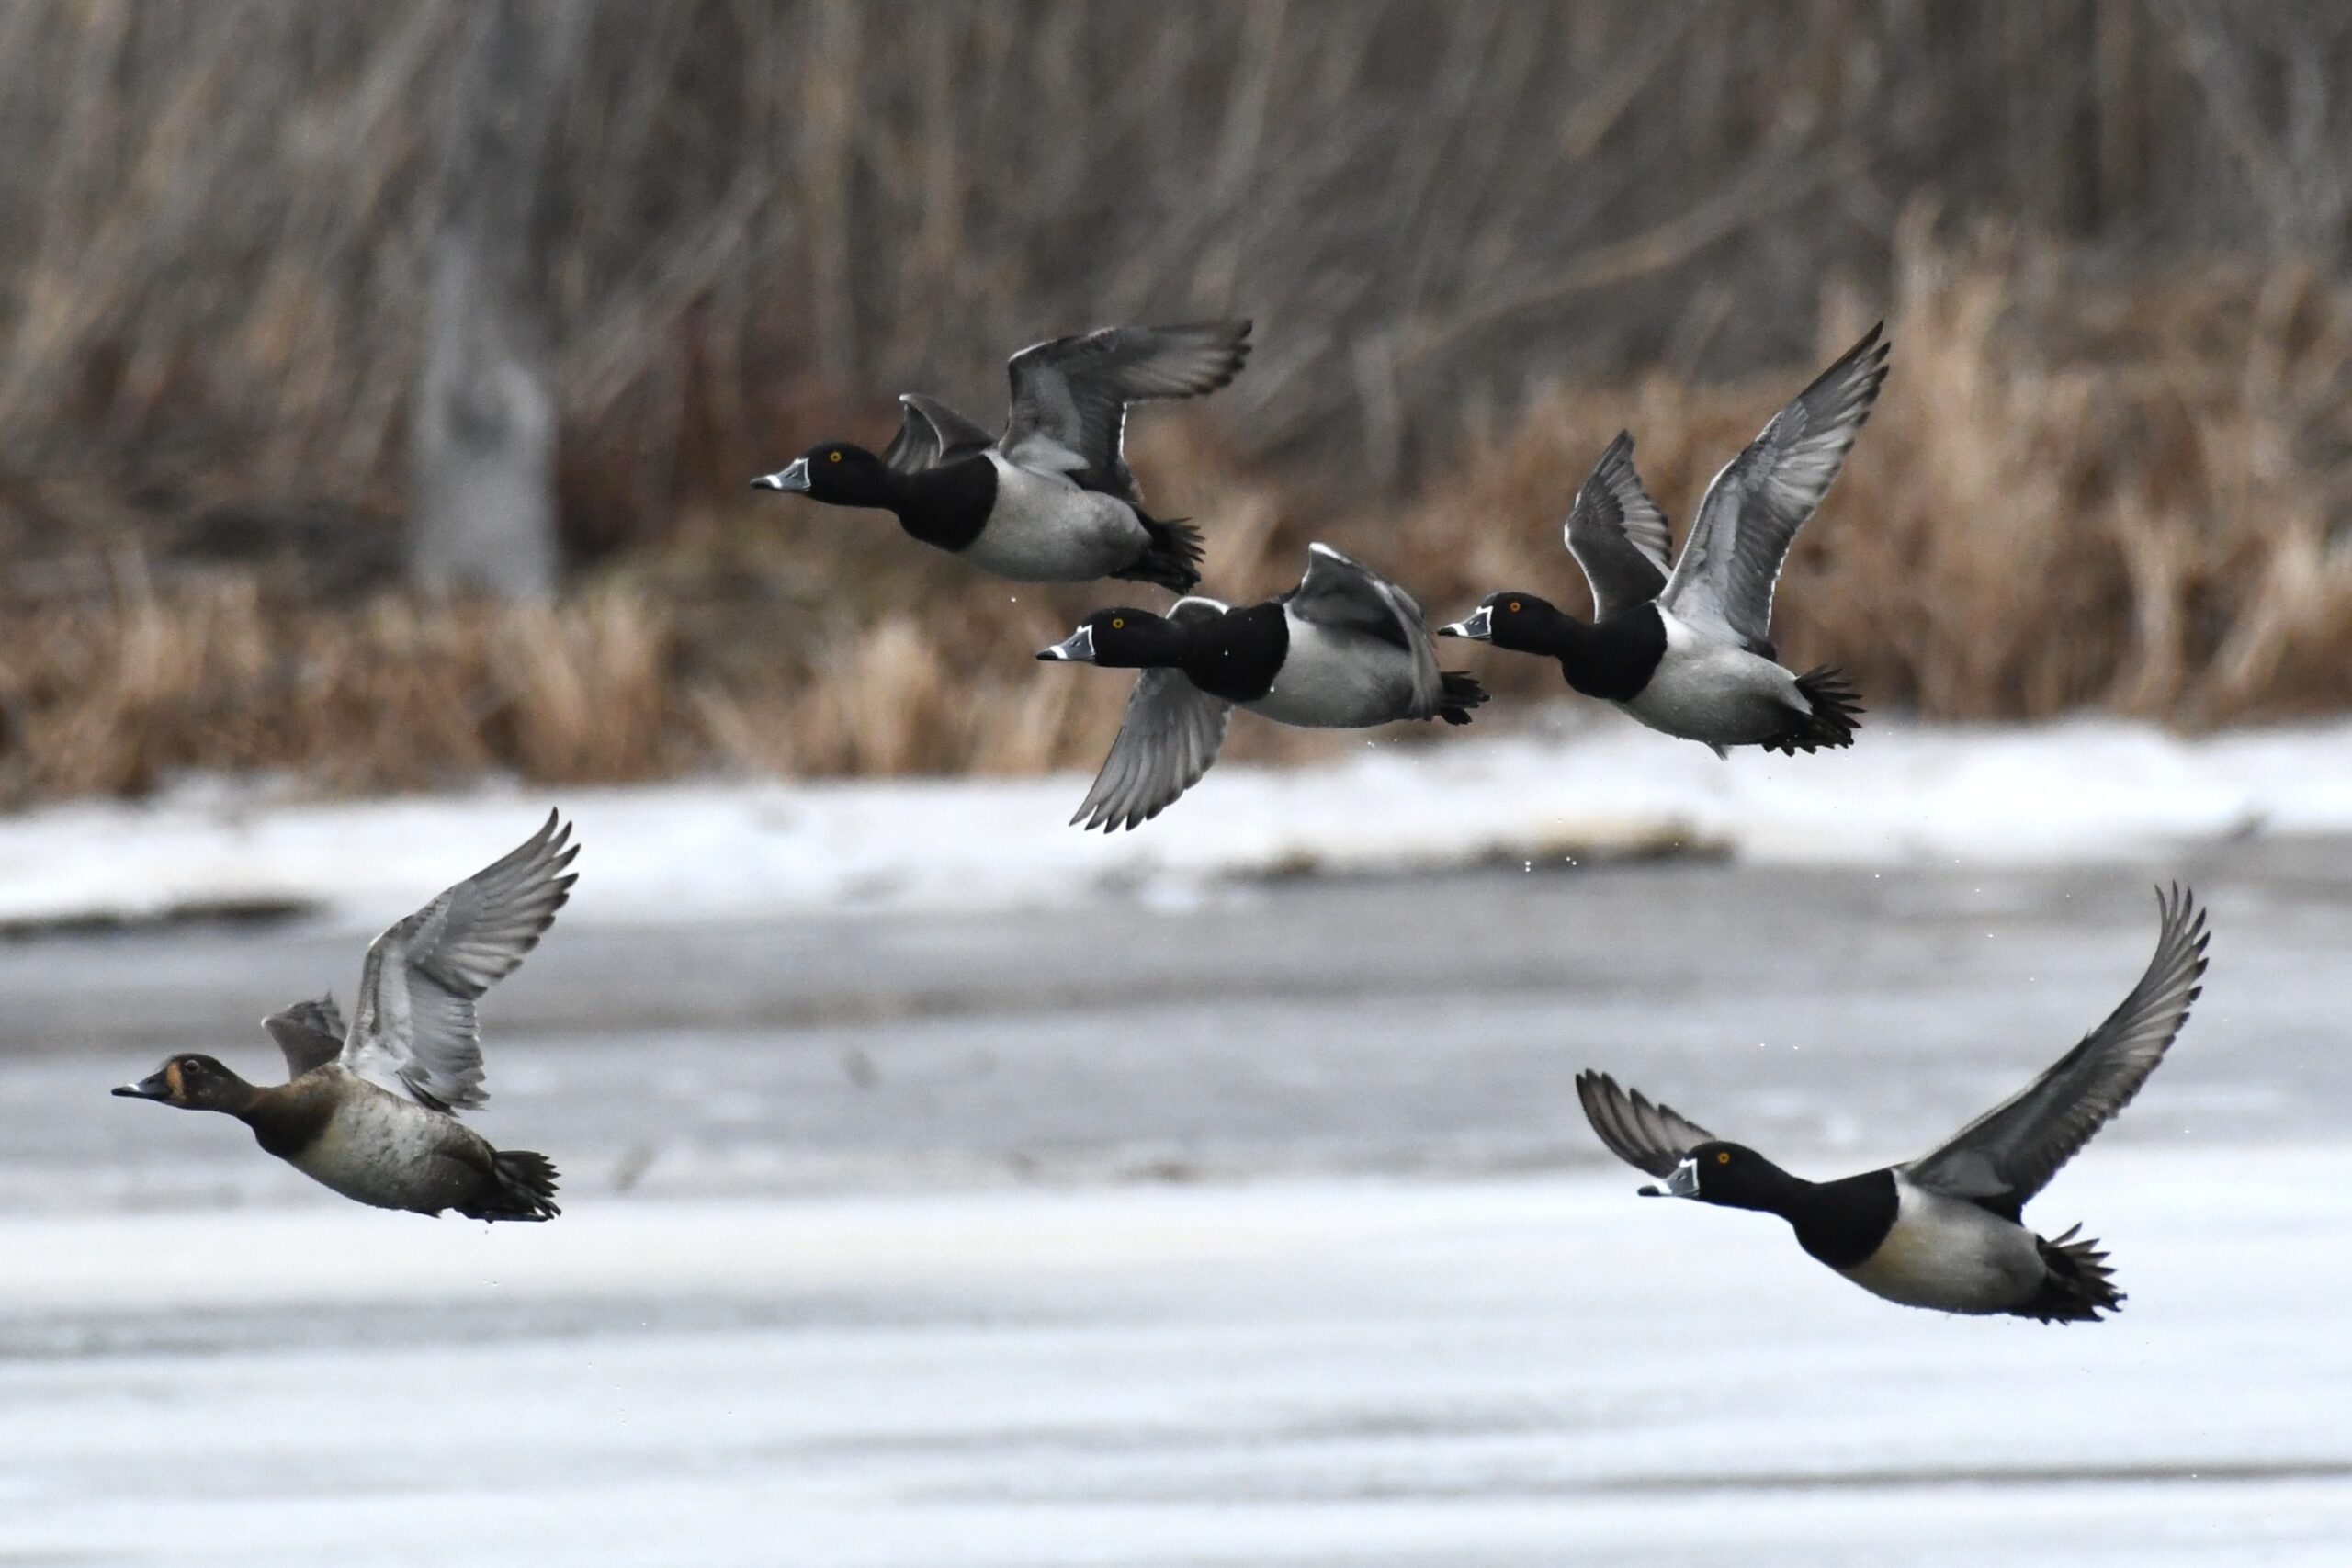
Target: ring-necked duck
[[1052, 501], [1345, 650], [369, 1111], [1947, 1231], [1692, 654]]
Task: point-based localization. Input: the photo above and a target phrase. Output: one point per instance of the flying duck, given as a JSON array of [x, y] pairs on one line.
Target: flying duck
[[1692, 654], [1052, 500], [1345, 650], [1947, 1231], [369, 1111]]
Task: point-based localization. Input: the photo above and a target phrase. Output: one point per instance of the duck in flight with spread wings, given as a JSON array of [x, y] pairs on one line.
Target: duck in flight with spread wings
[[1947, 1231], [1052, 500], [370, 1110], [1690, 654], [1345, 650]]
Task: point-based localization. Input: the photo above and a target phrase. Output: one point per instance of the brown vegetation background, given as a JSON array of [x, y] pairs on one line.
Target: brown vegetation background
[[2112, 469]]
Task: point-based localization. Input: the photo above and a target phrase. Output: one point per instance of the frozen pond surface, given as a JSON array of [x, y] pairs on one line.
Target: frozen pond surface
[[1253, 1227], [1537, 1372]]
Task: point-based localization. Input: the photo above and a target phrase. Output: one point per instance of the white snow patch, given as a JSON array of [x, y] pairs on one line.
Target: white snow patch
[[727, 850]]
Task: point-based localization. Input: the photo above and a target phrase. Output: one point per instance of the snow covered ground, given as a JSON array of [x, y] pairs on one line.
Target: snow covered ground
[[1297, 1372], [1598, 785], [947, 1188]]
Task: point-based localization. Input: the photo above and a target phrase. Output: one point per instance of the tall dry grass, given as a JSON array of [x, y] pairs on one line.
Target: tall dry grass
[[2075, 492], [215, 218]]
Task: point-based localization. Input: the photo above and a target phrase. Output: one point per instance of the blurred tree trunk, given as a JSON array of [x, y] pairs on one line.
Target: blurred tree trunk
[[483, 506]]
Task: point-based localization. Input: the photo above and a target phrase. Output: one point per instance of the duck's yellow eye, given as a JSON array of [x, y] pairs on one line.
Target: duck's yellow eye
[[1514, 606], [834, 458], [1723, 1157], [1118, 623]]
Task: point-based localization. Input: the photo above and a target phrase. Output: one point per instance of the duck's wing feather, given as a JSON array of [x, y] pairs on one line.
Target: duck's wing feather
[[1071, 394], [415, 1032], [1170, 735], [929, 433], [1617, 533], [311, 1033], [1339, 593], [2010, 1153], [1645, 1135], [1732, 562]]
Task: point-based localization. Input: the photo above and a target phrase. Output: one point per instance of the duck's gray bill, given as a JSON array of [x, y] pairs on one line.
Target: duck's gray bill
[[1683, 1183], [792, 475], [1478, 626], [152, 1087], [1076, 649]]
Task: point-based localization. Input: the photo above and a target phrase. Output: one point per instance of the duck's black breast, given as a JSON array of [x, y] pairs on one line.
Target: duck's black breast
[[1842, 1223], [948, 504], [1618, 656], [1238, 655]]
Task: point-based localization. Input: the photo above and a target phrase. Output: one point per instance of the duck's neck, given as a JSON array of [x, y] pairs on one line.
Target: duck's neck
[[287, 1117], [1769, 1190], [236, 1097], [1154, 642], [947, 504]]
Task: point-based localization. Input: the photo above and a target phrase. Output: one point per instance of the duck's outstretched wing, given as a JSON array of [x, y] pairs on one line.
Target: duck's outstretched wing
[[311, 1033], [2008, 1155], [1617, 533], [1645, 1135], [929, 433], [1071, 394], [1170, 735], [1732, 562], [414, 1033]]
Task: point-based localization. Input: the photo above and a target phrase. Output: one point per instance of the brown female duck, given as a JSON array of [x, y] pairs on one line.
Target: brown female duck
[[369, 1111]]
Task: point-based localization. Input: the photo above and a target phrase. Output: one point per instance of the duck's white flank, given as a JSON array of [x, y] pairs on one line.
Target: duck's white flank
[[386, 1151], [1705, 689], [1045, 529], [1948, 1254], [1336, 680]]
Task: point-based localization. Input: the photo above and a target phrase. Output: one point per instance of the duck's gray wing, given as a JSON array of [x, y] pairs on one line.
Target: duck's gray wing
[[414, 1033], [1071, 394], [1645, 1135], [1340, 593], [1166, 740], [311, 1033], [2010, 1153], [1732, 562], [929, 433], [1617, 533]]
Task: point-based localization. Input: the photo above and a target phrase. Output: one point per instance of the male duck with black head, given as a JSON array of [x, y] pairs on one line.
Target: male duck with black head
[[1052, 500], [369, 1111], [1948, 1230], [1692, 654], [1345, 650]]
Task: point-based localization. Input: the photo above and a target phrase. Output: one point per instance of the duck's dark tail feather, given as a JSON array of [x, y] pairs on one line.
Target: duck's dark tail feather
[[1172, 559], [1462, 692], [526, 1188], [2079, 1286], [1836, 714]]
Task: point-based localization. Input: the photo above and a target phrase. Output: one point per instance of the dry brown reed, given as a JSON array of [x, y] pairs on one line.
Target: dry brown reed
[[2074, 494]]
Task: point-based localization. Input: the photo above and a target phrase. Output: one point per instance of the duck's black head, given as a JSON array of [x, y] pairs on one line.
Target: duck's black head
[[1730, 1174], [840, 473], [1520, 621], [192, 1083], [1121, 639]]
